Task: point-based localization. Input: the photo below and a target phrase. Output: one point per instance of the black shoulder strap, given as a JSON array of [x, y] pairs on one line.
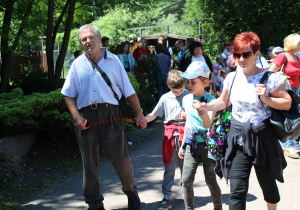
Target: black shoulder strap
[[263, 81], [265, 77], [104, 76]]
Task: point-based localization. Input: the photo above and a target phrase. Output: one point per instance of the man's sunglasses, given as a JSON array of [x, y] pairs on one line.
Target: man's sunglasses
[[244, 54]]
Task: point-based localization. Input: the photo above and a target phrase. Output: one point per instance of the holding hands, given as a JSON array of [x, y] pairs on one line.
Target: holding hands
[[201, 107]]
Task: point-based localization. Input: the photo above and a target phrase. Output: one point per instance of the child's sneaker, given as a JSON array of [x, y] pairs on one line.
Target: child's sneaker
[[165, 205]]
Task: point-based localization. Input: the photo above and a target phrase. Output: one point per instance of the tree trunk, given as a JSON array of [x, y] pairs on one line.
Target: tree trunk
[[50, 41], [54, 74], [62, 54], [6, 51]]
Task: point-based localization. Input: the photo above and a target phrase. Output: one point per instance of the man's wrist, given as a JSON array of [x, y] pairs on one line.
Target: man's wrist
[[139, 110]]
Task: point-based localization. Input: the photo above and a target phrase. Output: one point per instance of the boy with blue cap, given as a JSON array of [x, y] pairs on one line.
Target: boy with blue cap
[[194, 149]]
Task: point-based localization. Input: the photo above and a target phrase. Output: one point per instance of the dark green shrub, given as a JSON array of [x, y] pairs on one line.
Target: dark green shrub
[[45, 112], [148, 90], [30, 80]]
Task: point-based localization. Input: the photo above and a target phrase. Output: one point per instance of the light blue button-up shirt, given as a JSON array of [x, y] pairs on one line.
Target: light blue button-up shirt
[[87, 85]]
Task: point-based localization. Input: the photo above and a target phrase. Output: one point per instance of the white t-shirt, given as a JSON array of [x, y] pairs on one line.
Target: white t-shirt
[[246, 106], [170, 50], [264, 62], [201, 58]]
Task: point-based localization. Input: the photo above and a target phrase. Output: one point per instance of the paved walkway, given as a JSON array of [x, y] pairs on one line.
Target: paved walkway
[[148, 170]]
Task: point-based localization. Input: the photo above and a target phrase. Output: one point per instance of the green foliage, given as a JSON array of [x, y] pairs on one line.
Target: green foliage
[[116, 22], [30, 79], [221, 22], [148, 91], [45, 112]]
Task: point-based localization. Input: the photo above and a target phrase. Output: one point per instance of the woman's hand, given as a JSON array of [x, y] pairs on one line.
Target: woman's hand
[[180, 154], [261, 91]]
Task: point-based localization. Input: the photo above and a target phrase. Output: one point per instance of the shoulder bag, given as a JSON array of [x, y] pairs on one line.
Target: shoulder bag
[[285, 124], [126, 113], [284, 78], [218, 132]]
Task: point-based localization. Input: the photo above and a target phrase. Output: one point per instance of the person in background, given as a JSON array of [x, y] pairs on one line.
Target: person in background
[[214, 77], [220, 61], [221, 77], [77, 53], [194, 149], [196, 55], [168, 50], [126, 58], [164, 65], [261, 62], [270, 54], [292, 69], [229, 54], [105, 41], [169, 105], [141, 50], [181, 52], [251, 141], [188, 42], [276, 51], [90, 100]]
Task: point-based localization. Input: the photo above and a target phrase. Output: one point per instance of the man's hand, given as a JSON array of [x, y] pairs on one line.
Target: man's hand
[[80, 123], [141, 120]]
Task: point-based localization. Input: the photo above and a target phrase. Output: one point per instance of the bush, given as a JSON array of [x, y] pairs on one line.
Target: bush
[[30, 80], [147, 92], [45, 112]]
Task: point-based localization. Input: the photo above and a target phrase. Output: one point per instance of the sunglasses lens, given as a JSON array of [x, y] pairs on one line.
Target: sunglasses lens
[[247, 54], [237, 56]]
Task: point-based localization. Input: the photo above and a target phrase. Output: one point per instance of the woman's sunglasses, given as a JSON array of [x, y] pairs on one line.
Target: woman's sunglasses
[[244, 54]]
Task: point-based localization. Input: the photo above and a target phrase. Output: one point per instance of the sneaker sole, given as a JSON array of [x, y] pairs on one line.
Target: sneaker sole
[[289, 155], [169, 207]]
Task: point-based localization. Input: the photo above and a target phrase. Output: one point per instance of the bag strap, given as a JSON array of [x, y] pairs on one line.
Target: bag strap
[[104, 76], [263, 81], [230, 91], [265, 77], [283, 65]]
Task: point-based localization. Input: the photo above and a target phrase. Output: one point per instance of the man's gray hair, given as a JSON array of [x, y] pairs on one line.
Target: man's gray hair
[[87, 26]]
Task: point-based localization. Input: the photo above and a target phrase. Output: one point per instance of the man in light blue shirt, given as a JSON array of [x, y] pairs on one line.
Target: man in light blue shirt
[[96, 113]]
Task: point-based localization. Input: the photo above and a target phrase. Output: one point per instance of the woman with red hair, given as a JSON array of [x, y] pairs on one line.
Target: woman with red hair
[[250, 141]]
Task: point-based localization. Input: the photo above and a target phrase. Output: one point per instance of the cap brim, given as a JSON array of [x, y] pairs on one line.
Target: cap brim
[[189, 75]]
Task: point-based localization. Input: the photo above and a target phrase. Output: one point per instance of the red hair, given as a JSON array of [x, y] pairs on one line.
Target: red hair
[[246, 39]]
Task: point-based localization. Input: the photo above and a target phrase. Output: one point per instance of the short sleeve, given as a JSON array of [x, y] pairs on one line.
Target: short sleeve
[[273, 82], [159, 108], [279, 59]]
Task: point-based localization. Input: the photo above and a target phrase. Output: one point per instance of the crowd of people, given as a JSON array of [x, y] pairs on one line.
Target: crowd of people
[[188, 99]]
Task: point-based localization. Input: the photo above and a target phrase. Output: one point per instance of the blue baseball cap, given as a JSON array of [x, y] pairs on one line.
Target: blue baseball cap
[[196, 69], [271, 48]]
